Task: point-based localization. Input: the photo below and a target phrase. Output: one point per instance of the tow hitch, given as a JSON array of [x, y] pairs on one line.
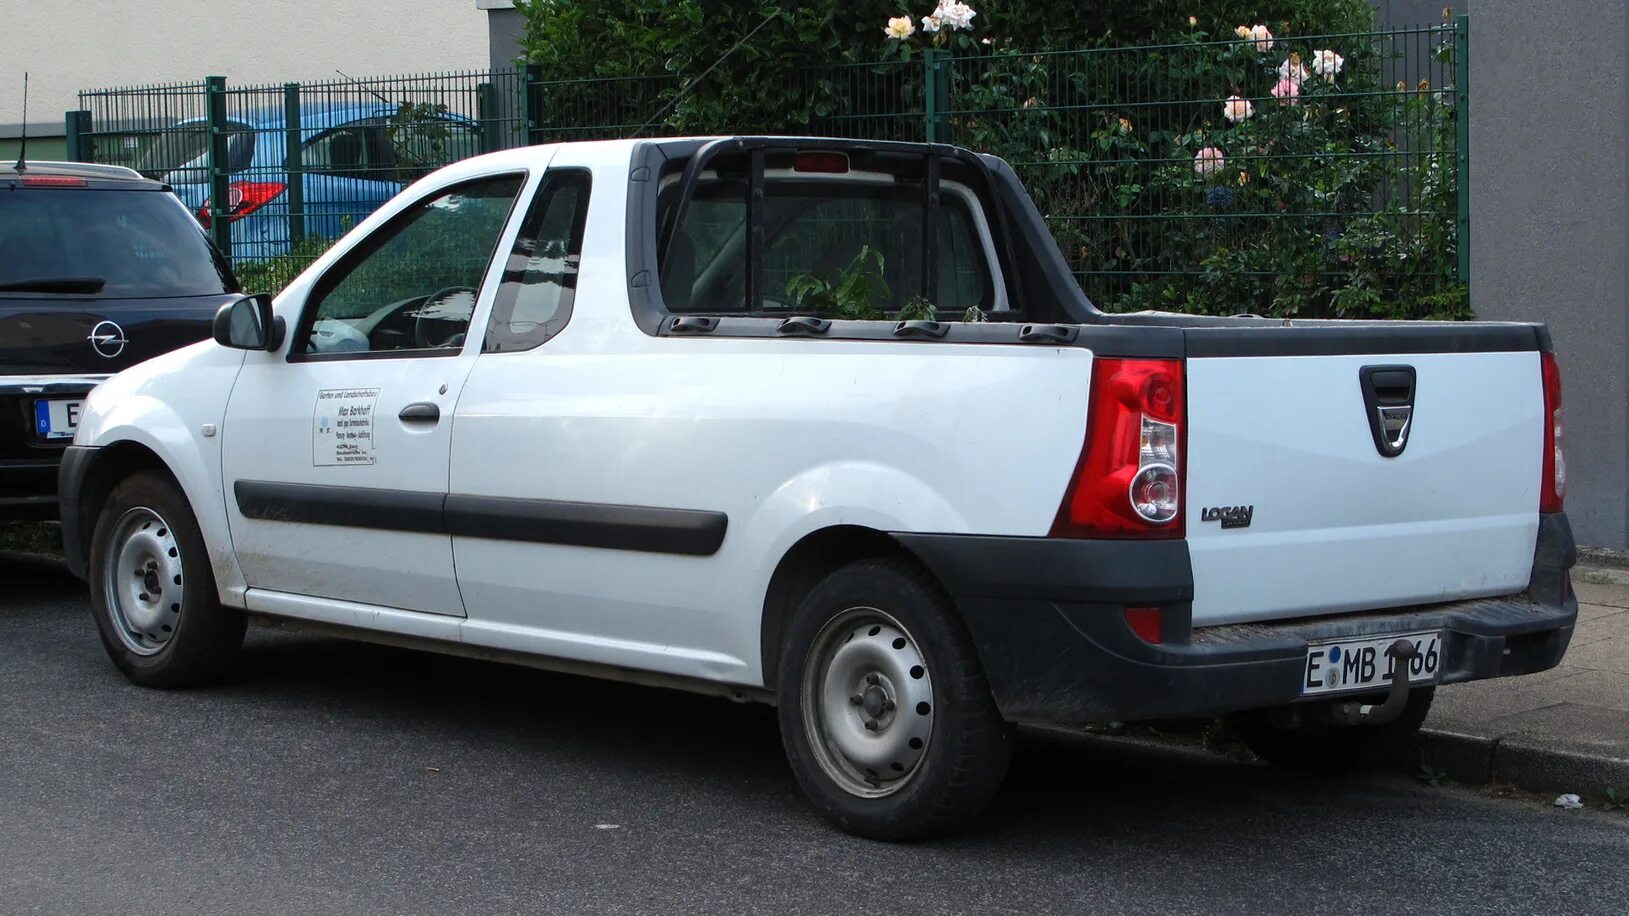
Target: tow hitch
[[1354, 713]]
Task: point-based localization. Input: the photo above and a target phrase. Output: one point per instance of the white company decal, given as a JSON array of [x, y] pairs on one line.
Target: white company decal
[[342, 426]]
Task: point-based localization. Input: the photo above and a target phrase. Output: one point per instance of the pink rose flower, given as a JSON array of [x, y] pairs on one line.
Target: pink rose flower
[[1208, 161], [1286, 91]]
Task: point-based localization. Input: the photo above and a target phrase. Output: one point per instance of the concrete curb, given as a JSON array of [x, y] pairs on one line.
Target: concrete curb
[[1524, 761]]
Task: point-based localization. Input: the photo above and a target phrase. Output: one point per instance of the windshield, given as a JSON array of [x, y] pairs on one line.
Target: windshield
[[139, 244], [180, 155]]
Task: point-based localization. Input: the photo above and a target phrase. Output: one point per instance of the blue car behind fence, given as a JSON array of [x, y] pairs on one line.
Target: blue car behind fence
[[352, 158]]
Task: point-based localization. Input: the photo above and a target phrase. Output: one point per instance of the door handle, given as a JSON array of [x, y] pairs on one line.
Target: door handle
[[420, 412]]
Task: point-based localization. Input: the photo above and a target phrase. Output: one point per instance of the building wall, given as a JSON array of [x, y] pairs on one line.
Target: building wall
[[39, 149], [505, 26], [69, 45], [1549, 221]]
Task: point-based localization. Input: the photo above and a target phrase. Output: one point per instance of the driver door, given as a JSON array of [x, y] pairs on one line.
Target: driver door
[[335, 451]]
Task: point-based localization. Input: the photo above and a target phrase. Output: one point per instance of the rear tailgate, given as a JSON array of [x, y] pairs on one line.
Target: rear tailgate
[[1294, 510]]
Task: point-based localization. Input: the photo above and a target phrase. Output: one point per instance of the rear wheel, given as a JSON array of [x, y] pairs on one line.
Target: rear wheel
[[1320, 747], [153, 591], [885, 712]]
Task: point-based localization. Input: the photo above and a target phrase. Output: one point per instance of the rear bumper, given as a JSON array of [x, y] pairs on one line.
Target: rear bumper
[[28, 464], [1048, 619]]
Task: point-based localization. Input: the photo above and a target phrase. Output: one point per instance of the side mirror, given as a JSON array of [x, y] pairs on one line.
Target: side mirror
[[248, 324]]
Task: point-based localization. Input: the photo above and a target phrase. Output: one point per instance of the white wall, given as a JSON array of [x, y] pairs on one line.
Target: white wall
[[69, 45]]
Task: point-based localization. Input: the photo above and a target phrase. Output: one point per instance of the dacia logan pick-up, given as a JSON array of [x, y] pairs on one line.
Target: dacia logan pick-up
[[829, 424]]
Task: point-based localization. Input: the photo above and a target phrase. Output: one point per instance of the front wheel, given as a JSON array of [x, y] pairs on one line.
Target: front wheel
[[152, 589], [885, 712]]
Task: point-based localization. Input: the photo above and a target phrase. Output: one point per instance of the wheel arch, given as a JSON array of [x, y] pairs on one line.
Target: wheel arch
[[814, 556], [104, 467]]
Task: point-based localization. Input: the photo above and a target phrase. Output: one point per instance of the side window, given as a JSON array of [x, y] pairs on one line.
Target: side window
[[540, 279], [412, 284], [353, 151]]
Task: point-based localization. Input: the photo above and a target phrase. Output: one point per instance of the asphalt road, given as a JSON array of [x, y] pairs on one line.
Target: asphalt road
[[331, 777]]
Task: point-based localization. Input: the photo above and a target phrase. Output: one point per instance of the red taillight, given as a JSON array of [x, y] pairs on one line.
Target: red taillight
[[813, 161], [1147, 623], [244, 198], [1553, 487], [54, 181], [1128, 483]]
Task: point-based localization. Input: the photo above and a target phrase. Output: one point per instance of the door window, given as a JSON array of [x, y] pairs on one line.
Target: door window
[[539, 281], [411, 285]]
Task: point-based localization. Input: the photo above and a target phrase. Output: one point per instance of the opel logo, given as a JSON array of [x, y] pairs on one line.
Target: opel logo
[[108, 339]]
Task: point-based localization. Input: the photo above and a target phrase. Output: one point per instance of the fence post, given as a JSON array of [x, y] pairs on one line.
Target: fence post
[[293, 143], [534, 103], [936, 94], [220, 206], [486, 113], [1462, 142], [80, 148]]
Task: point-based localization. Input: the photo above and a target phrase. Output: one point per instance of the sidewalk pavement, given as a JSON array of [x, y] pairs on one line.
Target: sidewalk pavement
[[1562, 730]]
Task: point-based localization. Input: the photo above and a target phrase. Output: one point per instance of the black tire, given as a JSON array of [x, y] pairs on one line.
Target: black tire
[[176, 634], [1323, 748], [953, 777]]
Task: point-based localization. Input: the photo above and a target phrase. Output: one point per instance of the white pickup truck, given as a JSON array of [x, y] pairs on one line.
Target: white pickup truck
[[829, 424]]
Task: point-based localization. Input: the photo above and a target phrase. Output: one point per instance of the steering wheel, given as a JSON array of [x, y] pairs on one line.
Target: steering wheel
[[443, 320]]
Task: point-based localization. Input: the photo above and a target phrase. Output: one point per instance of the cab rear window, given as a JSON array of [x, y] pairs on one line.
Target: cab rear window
[[141, 244], [851, 246]]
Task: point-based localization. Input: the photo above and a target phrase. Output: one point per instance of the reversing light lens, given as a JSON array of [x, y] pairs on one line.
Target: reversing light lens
[[1159, 443]]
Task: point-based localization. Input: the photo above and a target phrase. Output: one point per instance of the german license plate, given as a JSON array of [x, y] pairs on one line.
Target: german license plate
[[1341, 665], [57, 419]]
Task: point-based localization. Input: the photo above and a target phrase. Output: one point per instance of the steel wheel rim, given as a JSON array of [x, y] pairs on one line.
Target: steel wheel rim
[[143, 577], [867, 699]]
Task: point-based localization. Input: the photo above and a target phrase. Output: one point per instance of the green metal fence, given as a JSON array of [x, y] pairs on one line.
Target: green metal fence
[[1188, 176], [1324, 175], [277, 171]]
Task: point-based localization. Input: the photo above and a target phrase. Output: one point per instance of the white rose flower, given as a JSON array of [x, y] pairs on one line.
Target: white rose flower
[[1327, 63], [1293, 70], [955, 14], [1236, 109], [900, 28], [1243, 32], [930, 23], [1262, 38]]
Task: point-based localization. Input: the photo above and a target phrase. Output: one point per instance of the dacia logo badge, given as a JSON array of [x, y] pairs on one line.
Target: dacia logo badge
[[1394, 426]]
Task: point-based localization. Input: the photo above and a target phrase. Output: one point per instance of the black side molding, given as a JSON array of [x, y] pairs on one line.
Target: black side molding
[[351, 507], [650, 529], [694, 532]]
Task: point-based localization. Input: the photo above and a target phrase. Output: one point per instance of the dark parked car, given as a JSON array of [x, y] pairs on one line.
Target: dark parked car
[[99, 270]]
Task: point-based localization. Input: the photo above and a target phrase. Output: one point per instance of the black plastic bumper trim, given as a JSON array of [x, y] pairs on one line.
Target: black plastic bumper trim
[[649, 529], [1047, 618], [71, 473]]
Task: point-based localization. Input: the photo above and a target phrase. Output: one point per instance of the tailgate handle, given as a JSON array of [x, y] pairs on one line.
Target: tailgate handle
[[1388, 399], [1392, 386]]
